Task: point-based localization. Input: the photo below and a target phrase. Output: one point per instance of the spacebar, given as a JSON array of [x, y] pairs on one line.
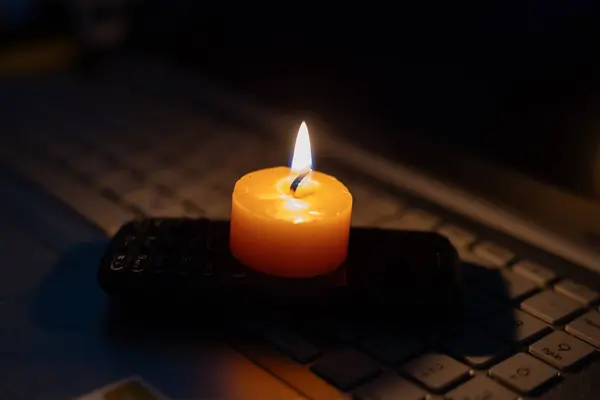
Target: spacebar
[[289, 371], [583, 386]]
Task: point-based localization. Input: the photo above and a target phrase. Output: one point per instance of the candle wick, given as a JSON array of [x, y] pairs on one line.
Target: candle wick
[[296, 182]]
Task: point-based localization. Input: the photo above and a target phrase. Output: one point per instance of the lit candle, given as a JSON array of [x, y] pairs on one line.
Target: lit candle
[[291, 222]]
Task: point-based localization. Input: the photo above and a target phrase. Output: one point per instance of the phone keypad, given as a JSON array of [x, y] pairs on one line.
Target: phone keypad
[[179, 246]]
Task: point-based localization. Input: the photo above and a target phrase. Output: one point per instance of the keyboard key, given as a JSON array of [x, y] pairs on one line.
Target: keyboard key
[[537, 273], [481, 387], [413, 220], [458, 236], [436, 371], [392, 348], [524, 373], [293, 345], [586, 328], [140, 262], [239, 272], [151, 202], [517, 287], [172, 177], [517, 326], [120, 182], [561, 350], [552, 307], [294, 374], [216, 205], [191, 210], [476, 347], [468, 257], [478, 303], [346, 369], [120, 261], [578, 292], [389, 387], [493, 253], [370, 206], [489, 289], [341, 331]]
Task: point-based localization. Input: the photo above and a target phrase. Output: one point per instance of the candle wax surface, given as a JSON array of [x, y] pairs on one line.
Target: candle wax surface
[[278, 233]]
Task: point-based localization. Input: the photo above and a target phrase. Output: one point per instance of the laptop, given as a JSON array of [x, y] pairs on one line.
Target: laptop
[[145, 138]]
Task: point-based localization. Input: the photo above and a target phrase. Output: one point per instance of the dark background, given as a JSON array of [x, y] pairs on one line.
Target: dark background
[[514, 80]]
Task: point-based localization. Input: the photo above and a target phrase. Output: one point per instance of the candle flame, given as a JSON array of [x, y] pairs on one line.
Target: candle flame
[[302, 158]]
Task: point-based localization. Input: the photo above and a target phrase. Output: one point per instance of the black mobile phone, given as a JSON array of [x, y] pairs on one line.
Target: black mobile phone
[[187, 261]]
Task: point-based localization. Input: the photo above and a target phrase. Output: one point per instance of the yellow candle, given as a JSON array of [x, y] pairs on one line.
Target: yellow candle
[[287, 233]]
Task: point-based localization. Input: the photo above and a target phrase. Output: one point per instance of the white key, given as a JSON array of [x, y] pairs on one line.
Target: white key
[[494, 253], [469, 257], [458, 236], [576, 291], [537, 273]]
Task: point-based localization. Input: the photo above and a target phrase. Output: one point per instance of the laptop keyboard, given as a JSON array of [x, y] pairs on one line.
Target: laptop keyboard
[[116, 150]]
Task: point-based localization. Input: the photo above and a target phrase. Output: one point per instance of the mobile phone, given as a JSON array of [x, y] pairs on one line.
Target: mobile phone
[[187, 261]]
